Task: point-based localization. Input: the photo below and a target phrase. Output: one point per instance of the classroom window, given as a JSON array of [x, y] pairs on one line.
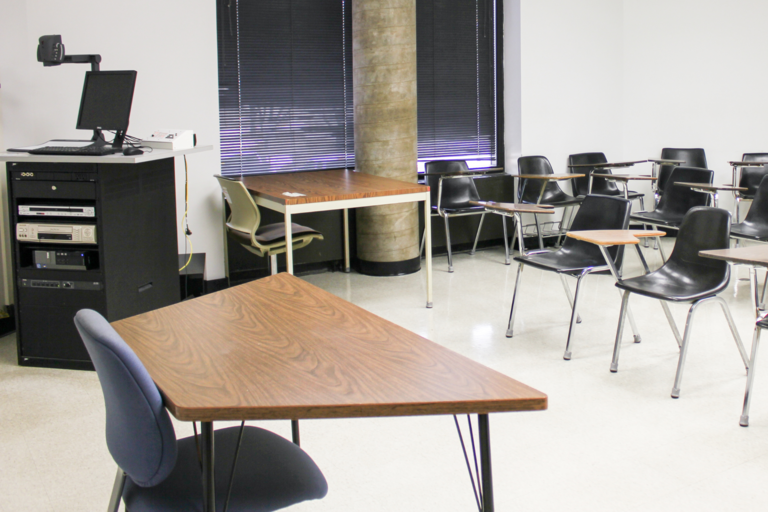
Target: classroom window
[[285, 83]]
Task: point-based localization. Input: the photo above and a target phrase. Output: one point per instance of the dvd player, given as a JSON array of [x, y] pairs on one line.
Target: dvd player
[[56, 233], [57, 211]]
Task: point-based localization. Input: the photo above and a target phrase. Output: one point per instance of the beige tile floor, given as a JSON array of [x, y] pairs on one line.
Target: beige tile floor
[[607, 442]]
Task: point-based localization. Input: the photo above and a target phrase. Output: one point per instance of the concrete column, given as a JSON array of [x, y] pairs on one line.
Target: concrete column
[[384, 77]]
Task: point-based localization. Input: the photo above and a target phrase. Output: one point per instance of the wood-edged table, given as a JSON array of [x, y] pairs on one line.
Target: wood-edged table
[[318, 191], [754, 256], [281, 348], [712, 190], [514, 210], [605, 238]]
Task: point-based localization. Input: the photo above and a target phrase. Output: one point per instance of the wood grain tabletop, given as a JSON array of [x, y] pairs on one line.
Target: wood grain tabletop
[[609, 164], [707, 186], [323, 186], [548, 176], [625, 177], [515, 207], [665, 161], [752, 255], [748, 164], [609, 237], [281, 348]]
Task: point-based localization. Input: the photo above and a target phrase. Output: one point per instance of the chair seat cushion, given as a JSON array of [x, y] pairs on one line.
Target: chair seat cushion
[[750, 231], [670, 284], [562, 261], [271, 473], [271, 233], [672, 220]]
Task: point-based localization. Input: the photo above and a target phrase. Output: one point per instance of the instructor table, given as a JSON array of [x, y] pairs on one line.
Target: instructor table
[[281, 348], [319, 191]]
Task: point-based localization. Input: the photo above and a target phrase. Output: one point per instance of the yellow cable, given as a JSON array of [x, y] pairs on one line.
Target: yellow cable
[[186, 210]]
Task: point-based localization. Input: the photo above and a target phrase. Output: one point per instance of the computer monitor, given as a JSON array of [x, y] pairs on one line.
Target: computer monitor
[[106, 103]]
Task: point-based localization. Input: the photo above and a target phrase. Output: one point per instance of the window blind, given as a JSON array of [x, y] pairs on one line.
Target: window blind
[[285, 83]]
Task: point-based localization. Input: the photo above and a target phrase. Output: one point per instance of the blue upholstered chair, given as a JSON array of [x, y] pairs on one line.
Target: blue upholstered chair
[[156, 472]]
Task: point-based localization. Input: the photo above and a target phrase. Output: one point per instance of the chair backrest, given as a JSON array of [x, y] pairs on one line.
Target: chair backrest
[[140, 434], [599, 185], [678, 200], [245, 215], [752, 176], [599, 212], [703, 229], [757, 216], [530, 190], [456, 192], [693, 157]]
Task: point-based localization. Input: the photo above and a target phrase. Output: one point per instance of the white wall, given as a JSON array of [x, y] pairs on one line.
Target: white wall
[[695, 76], [571, 74], [172, 45]]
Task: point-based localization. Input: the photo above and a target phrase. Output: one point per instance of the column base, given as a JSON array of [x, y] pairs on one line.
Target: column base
[[389, 268]]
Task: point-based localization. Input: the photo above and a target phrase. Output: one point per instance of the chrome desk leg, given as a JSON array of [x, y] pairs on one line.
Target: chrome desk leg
[[506, 240], [428, 244], [511, 324], [619, 330], [570, 297], [574, 314], [744, 420], [347, 268], [288, 243], [617, 277], [672, 323], [448, 240], [273, 264], [485, 462], [477, 235]]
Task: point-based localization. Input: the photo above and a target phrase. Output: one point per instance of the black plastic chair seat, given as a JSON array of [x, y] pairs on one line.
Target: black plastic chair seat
[[750, 231], [755, 225], [564, 262], [686, 276], [558, 198], [763, 322], [672, 219], [670, 284], [271, 233], [271, 473], [463, 209]]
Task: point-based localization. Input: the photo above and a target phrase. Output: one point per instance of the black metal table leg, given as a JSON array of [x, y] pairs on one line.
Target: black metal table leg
[[295, 432], [485, 462], [209, 490]]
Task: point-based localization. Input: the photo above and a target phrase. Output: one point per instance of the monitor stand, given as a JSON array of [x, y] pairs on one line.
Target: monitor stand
[[117, 144]]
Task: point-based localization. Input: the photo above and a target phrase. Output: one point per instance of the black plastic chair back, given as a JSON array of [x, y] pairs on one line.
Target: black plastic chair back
[[678, 200], [457, 192], [530, 189], [600, 186], [752, 176], [693, 157], [598, 212], [703, 229], [757, 216]]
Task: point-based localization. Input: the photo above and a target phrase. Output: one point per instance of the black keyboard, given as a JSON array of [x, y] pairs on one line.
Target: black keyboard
[[91, 150]]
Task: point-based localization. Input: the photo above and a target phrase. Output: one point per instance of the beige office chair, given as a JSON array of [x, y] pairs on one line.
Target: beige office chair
[[243, 225]]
